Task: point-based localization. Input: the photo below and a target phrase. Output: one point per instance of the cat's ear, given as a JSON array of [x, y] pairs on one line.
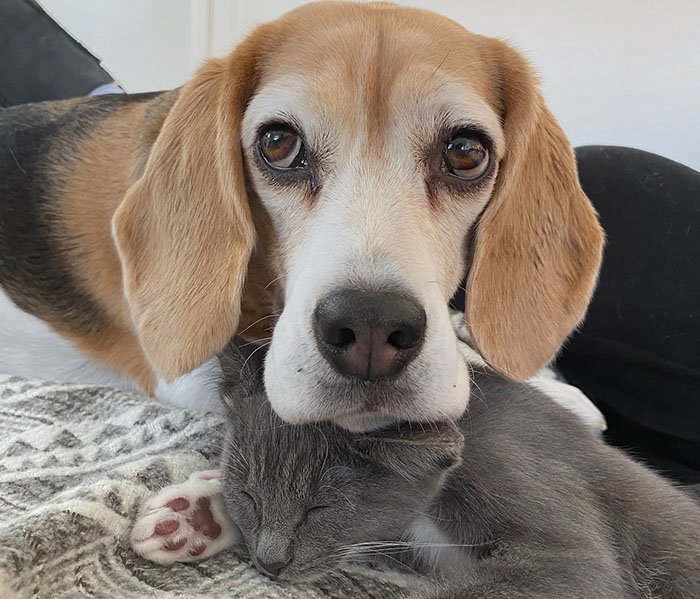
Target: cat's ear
[[242, 369], [413, 451]]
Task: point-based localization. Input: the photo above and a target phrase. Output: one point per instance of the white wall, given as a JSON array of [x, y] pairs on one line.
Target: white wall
[[623, 72], [145, 44]]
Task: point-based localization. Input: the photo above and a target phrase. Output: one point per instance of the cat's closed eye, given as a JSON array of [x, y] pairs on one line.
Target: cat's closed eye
[[315, 510], [249, 500]]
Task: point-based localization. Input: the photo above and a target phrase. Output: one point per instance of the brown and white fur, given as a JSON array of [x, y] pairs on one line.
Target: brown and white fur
[[142, 233]]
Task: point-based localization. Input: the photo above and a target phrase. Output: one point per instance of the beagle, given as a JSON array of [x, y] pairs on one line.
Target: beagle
[[331, 181]]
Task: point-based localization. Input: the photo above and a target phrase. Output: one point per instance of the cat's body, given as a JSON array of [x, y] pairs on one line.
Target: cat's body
[[530, 504], [567, 515]]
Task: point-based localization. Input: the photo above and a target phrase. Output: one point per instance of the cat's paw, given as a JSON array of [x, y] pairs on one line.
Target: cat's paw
[[185, 522]]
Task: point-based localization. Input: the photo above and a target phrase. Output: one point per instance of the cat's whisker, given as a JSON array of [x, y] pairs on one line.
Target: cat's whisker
[[400, 563], [254, 341], [271, 283], [321, 566], [432, 516], [360, 557], [464, 545], [255, 351], [333, 574], [374, 546], [234, 463], [219, 433], [371, 548], [480, 396], [237, 468], [231, 446], [272, 314], [325, 439], [378, 542], [359, 551]]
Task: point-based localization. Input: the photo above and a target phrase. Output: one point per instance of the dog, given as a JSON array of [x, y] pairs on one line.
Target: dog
[[331, 180]]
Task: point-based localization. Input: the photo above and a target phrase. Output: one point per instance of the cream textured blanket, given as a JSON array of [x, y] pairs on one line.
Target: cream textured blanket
[[75, 464]]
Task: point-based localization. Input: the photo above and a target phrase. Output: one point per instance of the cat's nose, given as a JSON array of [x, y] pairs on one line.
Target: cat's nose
[[271, 569]]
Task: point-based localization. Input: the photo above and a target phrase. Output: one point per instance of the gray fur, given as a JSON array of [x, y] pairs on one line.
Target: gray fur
[[540, 505]]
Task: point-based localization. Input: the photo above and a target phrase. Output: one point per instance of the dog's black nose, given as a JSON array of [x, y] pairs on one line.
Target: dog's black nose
[[272, 569], [369, 334]]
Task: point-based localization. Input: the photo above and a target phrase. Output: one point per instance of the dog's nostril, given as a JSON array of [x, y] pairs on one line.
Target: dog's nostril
[[344, 337], [336, 335], [405, 338]]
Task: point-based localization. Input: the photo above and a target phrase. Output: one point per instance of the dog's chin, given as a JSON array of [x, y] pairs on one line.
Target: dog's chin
[[303, 388], [363, 422]]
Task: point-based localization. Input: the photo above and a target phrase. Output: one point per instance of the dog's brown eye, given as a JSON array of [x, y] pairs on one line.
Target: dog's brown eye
[[465, 157], [283, 148]]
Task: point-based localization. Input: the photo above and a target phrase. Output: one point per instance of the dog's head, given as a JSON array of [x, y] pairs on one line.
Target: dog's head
[[374, 154]]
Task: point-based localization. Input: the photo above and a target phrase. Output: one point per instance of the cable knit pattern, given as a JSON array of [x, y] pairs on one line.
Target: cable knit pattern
[[77, 461]]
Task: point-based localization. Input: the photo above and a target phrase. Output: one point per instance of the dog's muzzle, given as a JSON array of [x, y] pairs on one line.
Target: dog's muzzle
[[369, 335]]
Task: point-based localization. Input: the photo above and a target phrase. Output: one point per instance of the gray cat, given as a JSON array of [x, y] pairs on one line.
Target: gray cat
[[519, 499]]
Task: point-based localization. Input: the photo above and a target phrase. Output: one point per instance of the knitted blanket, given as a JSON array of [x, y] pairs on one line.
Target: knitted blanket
[[77, 461]]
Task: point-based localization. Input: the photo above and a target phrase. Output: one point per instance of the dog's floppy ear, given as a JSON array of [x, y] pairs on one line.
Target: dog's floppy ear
[[184, 230], [538, 245]]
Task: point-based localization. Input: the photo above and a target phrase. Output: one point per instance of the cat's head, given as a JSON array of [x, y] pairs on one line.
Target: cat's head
[[307, 497]]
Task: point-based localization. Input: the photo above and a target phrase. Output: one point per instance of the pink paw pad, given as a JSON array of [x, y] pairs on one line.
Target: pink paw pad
[[202, 519], [166, 527], [179, 504], [185, 522]]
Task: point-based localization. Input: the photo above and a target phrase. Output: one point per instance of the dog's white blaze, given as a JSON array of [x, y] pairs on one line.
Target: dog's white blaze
[[353, 242]]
